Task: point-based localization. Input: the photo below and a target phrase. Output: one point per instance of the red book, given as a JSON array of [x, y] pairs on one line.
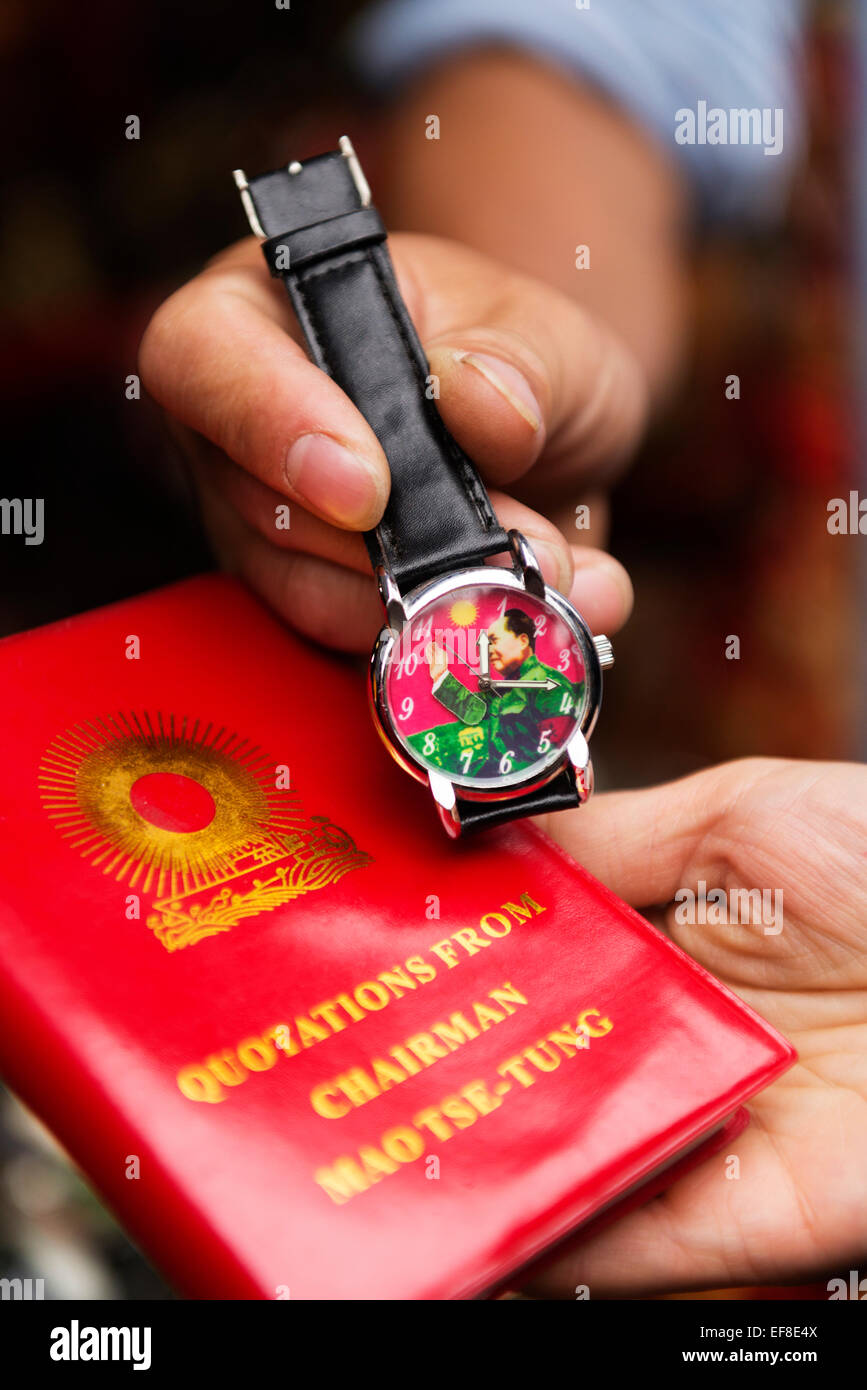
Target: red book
[[302, 1043]]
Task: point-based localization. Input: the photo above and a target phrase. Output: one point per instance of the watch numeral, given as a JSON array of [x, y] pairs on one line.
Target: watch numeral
[[430, 743], [423, 629], [563, 663], [406, 666], [566, 703], [544, 741], [541, 624], [466, 758], [406, 708], [506, 761]]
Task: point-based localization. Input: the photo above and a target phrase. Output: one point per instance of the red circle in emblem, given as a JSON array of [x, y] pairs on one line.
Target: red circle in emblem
[[172, 802]]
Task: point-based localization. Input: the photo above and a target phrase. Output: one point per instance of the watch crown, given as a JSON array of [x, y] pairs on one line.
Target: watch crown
[[604, 651]]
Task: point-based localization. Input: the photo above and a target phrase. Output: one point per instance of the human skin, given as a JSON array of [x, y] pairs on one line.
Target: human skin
[[546, 379], [507, 649], [242, 396], [797, 1211], [529, 164]]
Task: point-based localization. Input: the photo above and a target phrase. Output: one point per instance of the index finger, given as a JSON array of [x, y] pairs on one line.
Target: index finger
[[217, 355]]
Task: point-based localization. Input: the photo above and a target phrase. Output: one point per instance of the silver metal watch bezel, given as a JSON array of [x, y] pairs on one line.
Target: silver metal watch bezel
[[574, 754]]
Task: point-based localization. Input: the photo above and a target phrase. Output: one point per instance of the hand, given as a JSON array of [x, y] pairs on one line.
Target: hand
[[530, 385], [798, 1211], [437, 661]]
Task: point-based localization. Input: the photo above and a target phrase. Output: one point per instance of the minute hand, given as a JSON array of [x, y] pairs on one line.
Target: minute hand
[[547, 684]]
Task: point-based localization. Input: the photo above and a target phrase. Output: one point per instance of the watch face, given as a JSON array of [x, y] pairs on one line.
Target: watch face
[[486, 685]]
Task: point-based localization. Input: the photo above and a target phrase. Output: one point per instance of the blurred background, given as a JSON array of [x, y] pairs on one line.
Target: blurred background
[[721, 521]]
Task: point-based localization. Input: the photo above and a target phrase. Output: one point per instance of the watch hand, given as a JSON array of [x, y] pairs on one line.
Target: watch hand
[[548, 684], [484, 654]]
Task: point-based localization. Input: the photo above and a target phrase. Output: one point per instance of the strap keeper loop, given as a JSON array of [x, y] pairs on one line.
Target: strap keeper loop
[[289, 251]]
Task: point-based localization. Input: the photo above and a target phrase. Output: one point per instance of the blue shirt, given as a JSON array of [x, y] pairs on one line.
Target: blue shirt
[[691, 71]]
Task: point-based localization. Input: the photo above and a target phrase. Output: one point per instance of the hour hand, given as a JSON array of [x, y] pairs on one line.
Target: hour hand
[[484, 654]]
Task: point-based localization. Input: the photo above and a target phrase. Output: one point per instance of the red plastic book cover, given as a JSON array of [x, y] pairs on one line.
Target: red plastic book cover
[[301, 1042]]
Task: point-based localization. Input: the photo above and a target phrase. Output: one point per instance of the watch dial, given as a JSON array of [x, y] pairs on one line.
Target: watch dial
[[477, 729]]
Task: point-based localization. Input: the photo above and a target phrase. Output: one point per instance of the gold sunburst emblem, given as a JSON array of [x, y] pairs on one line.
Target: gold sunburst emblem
[[463, 612], [177, 808]]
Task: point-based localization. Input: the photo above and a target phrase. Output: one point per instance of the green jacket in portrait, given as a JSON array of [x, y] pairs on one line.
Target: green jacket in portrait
[[512, 722]]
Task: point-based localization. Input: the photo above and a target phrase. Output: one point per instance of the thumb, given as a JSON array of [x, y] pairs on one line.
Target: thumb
[[525, 378]]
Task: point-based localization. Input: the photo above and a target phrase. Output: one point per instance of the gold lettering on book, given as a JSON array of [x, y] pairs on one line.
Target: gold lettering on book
[[349, 1175], [201, 1082], [337, 1096]]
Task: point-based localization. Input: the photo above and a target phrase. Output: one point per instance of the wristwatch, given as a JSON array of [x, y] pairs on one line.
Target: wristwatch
[[485, 684]]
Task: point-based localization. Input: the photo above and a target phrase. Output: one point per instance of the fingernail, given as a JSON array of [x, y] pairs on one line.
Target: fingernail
[[334, 480], [553, 563], [508, 381]]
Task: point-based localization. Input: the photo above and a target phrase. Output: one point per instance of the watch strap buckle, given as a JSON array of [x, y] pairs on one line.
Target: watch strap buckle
[[345, 146], [243, 188]]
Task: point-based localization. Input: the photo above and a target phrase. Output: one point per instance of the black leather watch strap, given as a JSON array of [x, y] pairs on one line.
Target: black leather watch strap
[[557, 795], [329, 248]]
